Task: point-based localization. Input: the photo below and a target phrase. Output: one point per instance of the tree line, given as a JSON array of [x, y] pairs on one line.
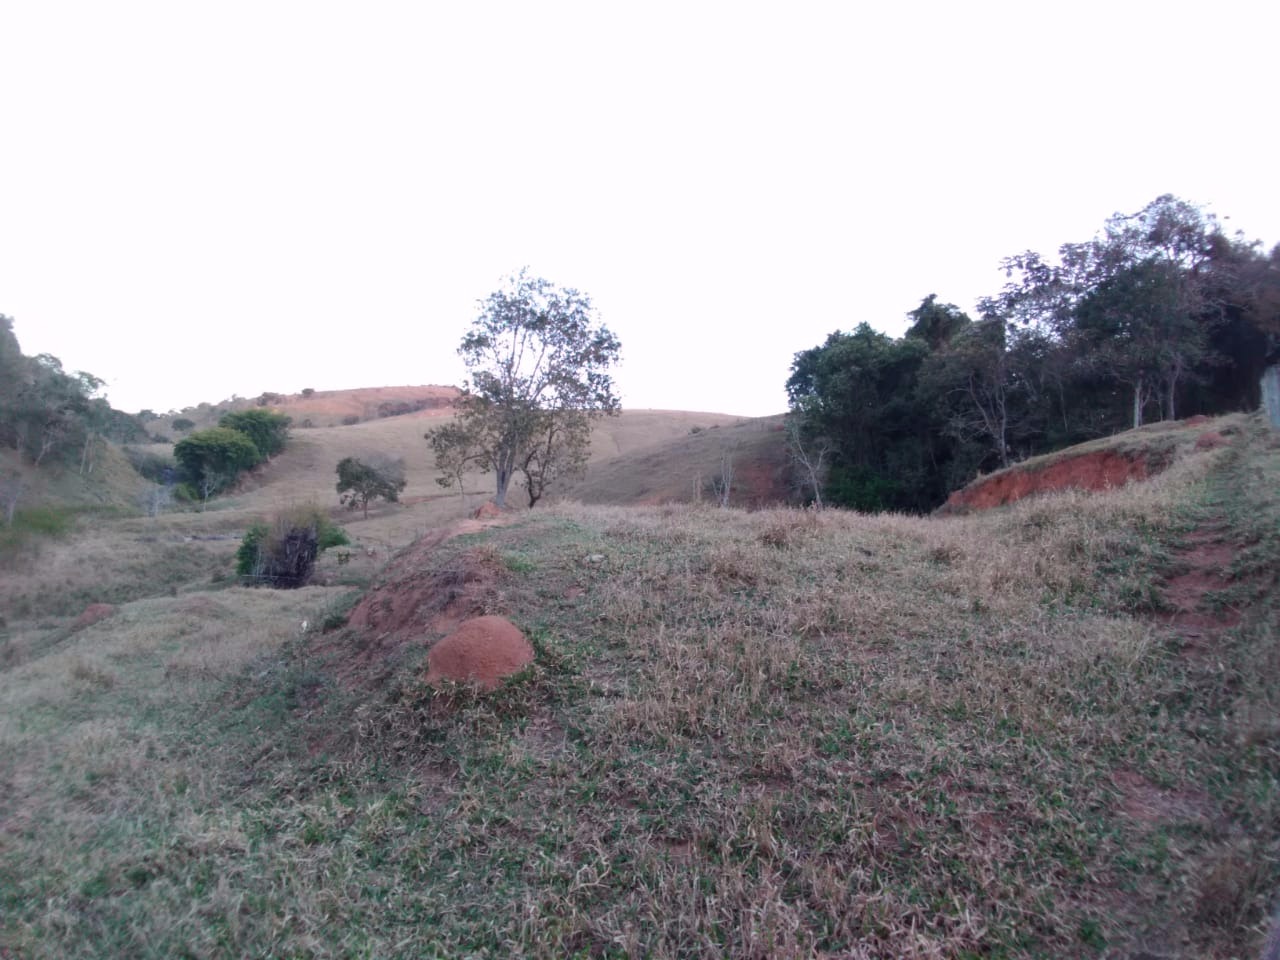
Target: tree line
[[49, 415], [1159, 316]]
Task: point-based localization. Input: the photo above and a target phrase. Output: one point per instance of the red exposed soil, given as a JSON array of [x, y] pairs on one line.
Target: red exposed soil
[[483, 650], [92, 614], [414, 599], [1089, 471], [1204, 566], [1142, 800], [1209, 440], [367, 402]]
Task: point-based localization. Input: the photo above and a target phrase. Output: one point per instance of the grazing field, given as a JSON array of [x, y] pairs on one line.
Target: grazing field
[[1047, 730]]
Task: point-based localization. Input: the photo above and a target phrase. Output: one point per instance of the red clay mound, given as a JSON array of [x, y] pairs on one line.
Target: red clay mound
[[1090, 471], [1209, 440], [483, 650], [487, 511], [92, 614]]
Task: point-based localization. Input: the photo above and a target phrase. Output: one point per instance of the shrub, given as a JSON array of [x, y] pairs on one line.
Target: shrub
[[283, 553], [182, 424], [350, 420], [308, 391]]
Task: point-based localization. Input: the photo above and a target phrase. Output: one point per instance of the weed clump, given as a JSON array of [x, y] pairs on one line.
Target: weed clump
[[283, 553]]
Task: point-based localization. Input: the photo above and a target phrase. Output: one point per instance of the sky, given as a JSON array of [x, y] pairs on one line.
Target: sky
[[206, 199]]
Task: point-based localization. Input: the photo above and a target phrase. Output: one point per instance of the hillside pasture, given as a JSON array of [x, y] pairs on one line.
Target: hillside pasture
[[770, 734]]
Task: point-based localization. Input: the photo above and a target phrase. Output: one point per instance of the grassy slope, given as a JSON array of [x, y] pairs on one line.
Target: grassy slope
[[119, 560], [768, 734], [683, 468]]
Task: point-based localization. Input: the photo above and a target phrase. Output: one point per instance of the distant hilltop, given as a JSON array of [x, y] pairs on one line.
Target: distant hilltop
[[328, 408]]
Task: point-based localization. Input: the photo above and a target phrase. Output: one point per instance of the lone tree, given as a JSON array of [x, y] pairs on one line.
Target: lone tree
[[360, 481], [538, 362]]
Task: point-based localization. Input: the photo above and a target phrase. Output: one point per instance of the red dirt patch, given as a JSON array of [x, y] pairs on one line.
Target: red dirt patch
[[1090, 471], [487, 511], [1205, 566], [367, 403], [483, 650], [92, 614], [1142, 800], [1209, 440], [413, 598]]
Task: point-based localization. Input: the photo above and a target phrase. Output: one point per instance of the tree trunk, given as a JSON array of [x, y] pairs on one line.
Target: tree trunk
[[1271, 394], [1137, 404], [504, 480]]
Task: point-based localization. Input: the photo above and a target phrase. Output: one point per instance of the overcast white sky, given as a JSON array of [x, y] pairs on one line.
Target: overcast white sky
[[201, 199]]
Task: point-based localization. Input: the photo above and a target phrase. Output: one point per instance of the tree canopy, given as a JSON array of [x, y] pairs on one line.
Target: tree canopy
[[268, 430], [1160, 314], [211, 459], [48, 414], [538, 362], [360, 481]]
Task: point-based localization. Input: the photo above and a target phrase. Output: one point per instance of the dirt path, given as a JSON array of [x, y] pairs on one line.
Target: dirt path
[[1204, 570]]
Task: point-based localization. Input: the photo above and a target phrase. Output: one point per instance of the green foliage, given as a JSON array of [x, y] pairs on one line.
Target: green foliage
[[283, 552], [268, 430], [48, 414], [360, 481], [32, 524], [182, 424], [539, 365], [211, 459], [1159, 312]]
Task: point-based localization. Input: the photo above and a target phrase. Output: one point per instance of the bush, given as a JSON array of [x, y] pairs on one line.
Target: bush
[[308, 391], [182, 424], [350, 420], [33, 523], [283, 553]]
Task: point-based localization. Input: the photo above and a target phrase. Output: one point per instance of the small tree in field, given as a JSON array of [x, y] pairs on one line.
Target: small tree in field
[[457, 449], [539, 364], [360, 481]]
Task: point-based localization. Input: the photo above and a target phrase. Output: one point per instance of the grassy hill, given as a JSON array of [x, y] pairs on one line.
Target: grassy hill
[[1047, 730], [684, 469], [325, 408]]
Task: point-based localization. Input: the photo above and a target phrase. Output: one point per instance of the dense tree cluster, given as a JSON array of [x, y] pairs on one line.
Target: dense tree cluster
[[48, 415], [210, 460], [1161, 315]]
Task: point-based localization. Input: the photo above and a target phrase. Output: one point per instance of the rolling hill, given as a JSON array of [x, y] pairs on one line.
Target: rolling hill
[[1046, 729]]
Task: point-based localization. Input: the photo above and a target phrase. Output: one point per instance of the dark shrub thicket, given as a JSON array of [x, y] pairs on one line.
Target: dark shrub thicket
[[282, 553]]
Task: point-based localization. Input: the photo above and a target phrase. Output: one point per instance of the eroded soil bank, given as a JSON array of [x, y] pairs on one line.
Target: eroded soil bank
[[1090, 471]]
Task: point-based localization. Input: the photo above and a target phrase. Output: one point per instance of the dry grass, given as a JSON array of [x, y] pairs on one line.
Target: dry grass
[[776, 734]]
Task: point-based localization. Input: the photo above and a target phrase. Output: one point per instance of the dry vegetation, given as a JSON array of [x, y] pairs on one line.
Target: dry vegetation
[[775, 734]]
